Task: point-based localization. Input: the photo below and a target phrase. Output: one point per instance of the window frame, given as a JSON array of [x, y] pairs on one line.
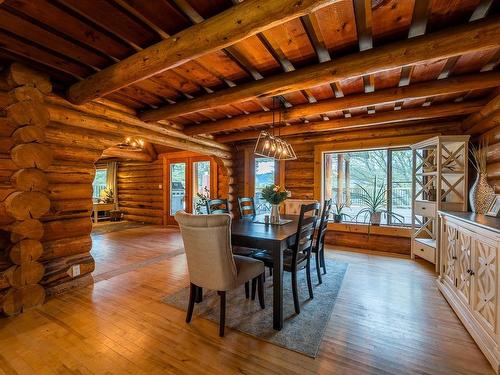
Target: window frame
[[97, 169], [388, 179]]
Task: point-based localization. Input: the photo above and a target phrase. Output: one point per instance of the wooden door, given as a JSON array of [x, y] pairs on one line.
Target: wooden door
[[449, 252], [185, 177], [485, 263], [463, 264]]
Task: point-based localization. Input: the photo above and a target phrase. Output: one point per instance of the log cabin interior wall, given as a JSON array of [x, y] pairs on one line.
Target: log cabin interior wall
[[349, 72], [140, 191]]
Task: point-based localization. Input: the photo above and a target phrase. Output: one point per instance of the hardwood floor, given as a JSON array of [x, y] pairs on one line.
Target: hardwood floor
[[389, 319]]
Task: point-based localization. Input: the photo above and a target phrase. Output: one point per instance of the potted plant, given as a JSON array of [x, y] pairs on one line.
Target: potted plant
[[107, 196], [374, 202], [274, 195], [337, 216]]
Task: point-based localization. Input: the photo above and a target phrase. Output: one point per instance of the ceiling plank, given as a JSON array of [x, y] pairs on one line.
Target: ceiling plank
[[473, 37], [415, 91], [220, 31], [390, 117]]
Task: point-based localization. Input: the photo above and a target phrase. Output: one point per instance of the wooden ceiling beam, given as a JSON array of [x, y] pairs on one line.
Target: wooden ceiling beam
[[415, 91], [475, 36], [229, 27], [390, 117], [121, 153]]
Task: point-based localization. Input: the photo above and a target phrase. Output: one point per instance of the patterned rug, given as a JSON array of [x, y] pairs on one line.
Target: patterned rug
[[302, 333]]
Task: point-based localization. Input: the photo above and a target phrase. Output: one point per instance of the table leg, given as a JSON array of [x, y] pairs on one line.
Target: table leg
[[277, 288]]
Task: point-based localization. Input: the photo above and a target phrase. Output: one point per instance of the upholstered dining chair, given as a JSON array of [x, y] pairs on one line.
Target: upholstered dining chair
[[220, 206], [298, 257], [319, 247], [293, 206], [211, 263], [217, 206], [246, 205]]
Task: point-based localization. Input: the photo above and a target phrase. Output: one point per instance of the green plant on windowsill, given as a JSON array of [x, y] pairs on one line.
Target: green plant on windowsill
[[375, 201], [337, 214], [107, 196]]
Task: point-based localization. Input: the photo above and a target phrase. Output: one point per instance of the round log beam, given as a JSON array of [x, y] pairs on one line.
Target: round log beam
[[25, 251], [30, 179], [23, 205], [31, 155]]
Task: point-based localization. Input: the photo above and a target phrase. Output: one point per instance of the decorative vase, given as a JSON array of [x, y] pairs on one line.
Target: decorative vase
[[375, 218], [481, 194], [275, 214]]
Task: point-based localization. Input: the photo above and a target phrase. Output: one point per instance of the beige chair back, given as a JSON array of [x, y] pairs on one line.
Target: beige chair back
[[293, 206], [207, 243]]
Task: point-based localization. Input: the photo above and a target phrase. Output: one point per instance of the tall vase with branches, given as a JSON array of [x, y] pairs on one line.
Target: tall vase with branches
[[481, 194]]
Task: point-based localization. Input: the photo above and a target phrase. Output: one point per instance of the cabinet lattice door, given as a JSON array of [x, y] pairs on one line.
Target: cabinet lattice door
[[449, 243], [463, 264], [485, 284]]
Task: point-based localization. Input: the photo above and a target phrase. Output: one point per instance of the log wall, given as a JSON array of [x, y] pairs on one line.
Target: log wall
[[493, 164], [24, 194], [140, 191], [48, 151]]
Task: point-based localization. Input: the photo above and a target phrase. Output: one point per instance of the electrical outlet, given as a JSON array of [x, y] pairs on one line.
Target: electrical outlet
[[160, 186], [75, 270]]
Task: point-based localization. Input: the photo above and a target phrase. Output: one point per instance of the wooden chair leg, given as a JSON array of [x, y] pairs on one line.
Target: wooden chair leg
[[254, 284], [199, 295], [222, 319], [323, 261], [247, 290], [192, 296], [318, 267], [260, 286], [295, 292], [309, 282]]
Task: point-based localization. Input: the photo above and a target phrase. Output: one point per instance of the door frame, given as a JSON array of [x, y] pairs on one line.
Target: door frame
[[189, 158]]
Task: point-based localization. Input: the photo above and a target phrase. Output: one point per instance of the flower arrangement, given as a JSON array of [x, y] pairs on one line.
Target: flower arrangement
[[201, 201], [274, 194]]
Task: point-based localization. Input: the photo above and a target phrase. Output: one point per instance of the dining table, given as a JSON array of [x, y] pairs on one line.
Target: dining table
[[253, 232]]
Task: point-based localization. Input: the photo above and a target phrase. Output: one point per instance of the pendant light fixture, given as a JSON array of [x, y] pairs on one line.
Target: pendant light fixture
[[271, 145]]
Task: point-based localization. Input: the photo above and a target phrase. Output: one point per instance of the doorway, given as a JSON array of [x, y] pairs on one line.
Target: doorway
[[187, 180]]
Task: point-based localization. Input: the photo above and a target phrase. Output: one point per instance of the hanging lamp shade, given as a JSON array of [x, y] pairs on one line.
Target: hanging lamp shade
[[273, 146]]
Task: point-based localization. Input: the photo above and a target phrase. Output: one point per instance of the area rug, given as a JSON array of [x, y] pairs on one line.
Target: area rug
[[302, 333]]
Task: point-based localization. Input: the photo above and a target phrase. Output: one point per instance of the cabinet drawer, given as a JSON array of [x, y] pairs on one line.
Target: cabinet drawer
[[424, 251], [427, 209]]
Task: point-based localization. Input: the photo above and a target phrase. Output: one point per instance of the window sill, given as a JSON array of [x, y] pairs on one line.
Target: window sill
[[383, 230]]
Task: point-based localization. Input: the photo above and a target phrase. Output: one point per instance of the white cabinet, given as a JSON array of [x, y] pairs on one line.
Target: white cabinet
[[468, 276]]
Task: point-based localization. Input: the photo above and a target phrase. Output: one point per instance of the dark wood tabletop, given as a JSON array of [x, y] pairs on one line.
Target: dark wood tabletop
[[273, 238], [248, 228]]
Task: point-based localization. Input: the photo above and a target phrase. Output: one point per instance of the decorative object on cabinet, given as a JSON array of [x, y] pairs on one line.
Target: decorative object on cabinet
[[494, 209], [439, 183], [481, 194], [468, 277]]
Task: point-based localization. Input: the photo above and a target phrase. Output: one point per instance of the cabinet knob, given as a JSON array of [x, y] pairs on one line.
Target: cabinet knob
[[454, 257]]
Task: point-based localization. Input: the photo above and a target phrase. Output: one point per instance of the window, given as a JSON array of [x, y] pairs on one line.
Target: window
[[265, 174], [201, 185], [352, 177], [99, 183]]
